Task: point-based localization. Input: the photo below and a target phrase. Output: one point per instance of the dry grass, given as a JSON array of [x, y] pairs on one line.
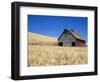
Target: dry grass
[[55, 55], [37, 38], [42, 51]]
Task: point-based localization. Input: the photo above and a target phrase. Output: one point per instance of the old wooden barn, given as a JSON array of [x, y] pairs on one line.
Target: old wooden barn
[[70, 38]]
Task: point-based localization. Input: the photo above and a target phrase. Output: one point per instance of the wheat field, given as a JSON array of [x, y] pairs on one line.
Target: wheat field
[[54, 55], [49, 55]]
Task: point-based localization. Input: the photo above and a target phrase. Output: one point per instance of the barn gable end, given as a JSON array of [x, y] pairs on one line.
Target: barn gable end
[[66, 38]]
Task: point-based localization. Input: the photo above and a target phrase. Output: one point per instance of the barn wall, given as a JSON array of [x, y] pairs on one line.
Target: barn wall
[[67, 39], [79, 43]]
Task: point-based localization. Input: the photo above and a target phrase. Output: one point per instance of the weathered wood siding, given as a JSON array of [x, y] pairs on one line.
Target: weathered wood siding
[[67, 39], [80, 43]]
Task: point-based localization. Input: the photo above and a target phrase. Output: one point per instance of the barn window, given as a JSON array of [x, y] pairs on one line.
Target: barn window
[[73, 43], [60, 43]]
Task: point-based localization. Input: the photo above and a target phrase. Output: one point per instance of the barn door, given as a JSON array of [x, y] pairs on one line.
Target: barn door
[[60, 43], [73, 43]]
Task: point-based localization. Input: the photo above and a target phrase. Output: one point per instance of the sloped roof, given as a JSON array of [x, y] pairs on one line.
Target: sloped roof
[[75, 35]]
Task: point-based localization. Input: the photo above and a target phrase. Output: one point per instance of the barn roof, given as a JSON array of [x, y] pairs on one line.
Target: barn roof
[[74, 34], [77, 36]]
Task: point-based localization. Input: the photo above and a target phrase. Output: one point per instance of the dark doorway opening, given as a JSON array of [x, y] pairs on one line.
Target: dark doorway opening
[[60, 43], [73, 43]]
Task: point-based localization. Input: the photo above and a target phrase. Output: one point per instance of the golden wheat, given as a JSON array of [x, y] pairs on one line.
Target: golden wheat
[[55, 55]]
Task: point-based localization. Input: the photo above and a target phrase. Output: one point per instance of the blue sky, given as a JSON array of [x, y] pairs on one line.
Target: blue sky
[[54, 25]]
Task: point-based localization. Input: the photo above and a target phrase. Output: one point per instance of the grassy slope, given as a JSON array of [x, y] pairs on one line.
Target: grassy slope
[[36, 38]]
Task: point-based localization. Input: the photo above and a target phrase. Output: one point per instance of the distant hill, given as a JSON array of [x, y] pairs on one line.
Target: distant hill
[[41, 39]]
